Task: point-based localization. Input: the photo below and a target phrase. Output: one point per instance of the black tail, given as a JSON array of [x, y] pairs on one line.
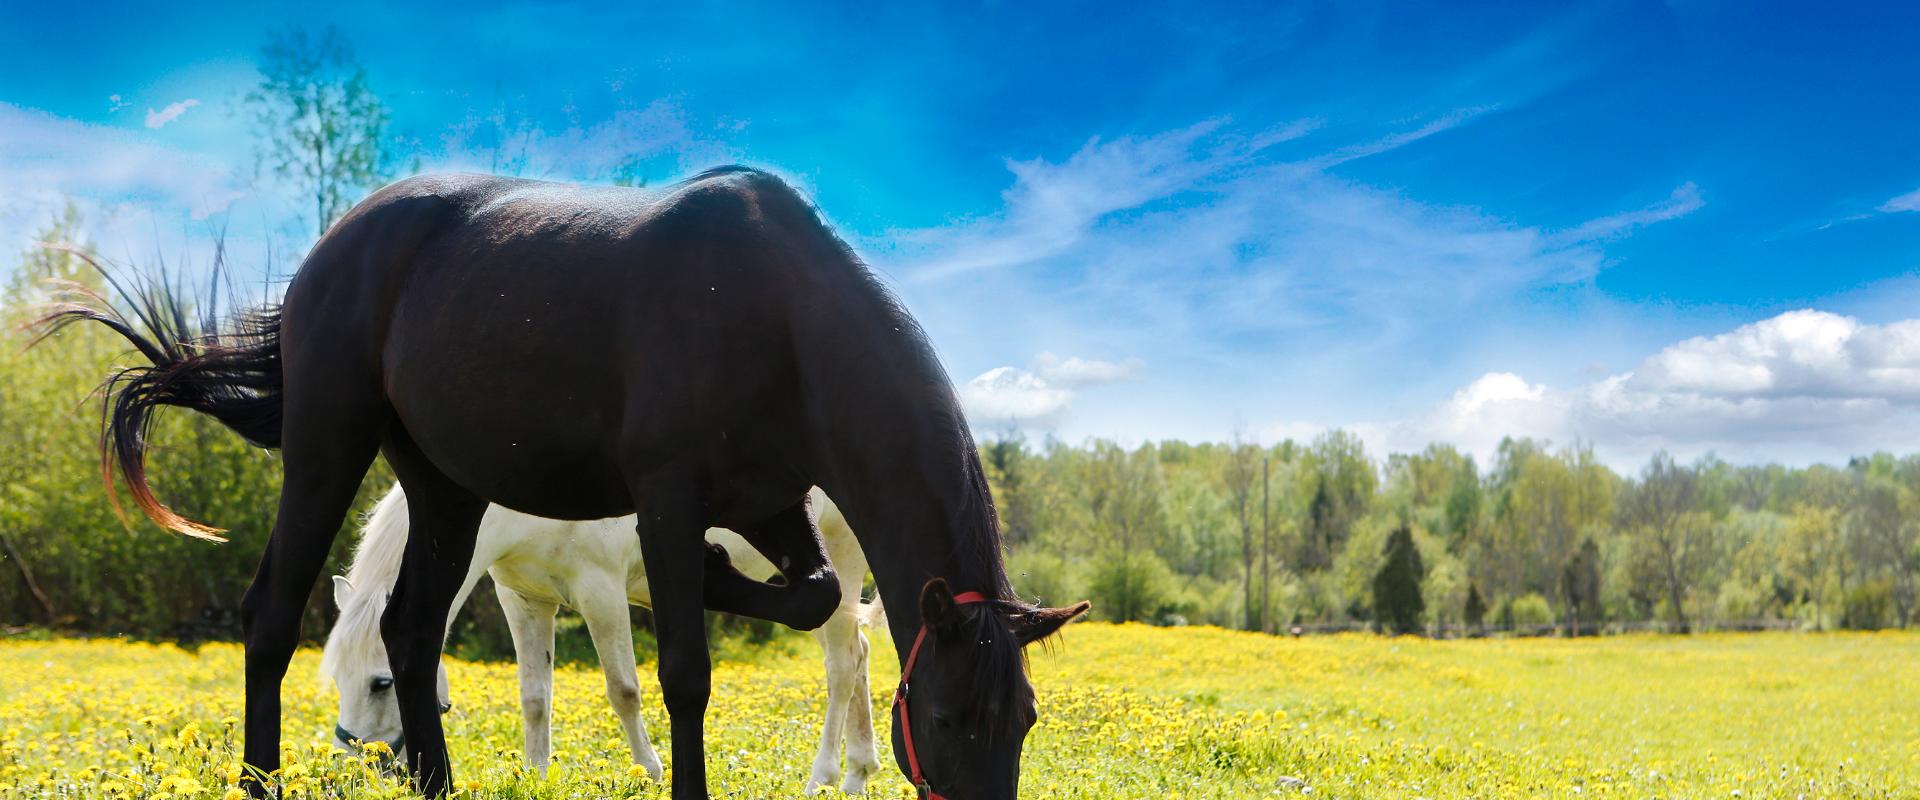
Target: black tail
[[232, 375]]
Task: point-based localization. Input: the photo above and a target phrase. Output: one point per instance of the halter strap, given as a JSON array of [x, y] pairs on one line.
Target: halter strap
[[900, 700], [347, 738]]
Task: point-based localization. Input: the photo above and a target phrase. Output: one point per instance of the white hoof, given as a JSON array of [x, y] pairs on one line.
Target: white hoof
[[823, 777], [857, 777], [650, 761]]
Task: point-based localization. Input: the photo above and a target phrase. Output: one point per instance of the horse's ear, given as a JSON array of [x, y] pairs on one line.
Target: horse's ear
[[937, 609], [1032, 625], [342, 590]]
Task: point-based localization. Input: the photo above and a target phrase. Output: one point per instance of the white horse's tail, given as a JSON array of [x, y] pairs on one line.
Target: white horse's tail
[[870, 614]]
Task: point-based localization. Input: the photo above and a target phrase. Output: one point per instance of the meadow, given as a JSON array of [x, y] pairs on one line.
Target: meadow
[[1128, 711]]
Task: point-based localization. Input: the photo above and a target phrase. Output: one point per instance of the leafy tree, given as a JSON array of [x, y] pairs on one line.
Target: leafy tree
[[1672, 539], [1476, 608], [1344, 485], [1241, 473], [1397, 603], [1122, 493], [317, 121], [1580, 581], [1006, 460]]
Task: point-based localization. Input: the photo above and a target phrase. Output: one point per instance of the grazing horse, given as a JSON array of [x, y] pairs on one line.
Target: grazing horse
[[705, 352], [594, 567]]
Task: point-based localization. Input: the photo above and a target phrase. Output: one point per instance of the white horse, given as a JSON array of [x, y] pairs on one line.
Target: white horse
[[593, 567]]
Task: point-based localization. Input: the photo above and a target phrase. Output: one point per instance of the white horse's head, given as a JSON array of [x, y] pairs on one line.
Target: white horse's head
[[356, 661]]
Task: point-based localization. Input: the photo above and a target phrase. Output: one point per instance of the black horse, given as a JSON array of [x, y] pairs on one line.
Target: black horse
[[700, 355]]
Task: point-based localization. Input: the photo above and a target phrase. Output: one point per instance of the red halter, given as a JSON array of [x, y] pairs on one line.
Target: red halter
[[900, 700]]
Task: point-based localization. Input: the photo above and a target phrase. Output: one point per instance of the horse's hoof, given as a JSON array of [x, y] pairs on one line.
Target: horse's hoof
[[821, 779], [857, 776]]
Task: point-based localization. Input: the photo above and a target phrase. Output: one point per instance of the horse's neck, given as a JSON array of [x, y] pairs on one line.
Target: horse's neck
[[893, 449], [909, 483]]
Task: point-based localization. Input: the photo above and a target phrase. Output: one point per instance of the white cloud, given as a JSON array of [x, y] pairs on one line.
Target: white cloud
[[137, 194], [1802, 385], [1906, 202], [156, 119], [1040, 395]]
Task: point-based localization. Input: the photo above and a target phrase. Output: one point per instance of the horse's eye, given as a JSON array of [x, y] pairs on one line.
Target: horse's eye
[[380, 684]]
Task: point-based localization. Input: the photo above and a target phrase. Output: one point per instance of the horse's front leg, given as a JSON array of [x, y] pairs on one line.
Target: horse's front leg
[[672, 529], [443, 522], [602, 602], [531, 624], [838, 645], [811, 589]]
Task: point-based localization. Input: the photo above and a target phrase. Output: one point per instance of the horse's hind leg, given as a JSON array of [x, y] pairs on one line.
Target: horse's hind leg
[[531, 624], [444, 520], [863, 760], [790, 540], [327, 446], [603, 604]]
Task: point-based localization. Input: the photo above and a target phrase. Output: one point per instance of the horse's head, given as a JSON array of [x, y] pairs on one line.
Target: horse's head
[[355, 659], [967, 702]]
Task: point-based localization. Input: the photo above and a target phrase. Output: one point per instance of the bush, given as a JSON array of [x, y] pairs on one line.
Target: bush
[[1528, 611], [1868, 607], [1044, 577], [1133, 588]]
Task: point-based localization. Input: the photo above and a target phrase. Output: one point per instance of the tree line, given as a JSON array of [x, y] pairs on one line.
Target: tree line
[[1323, 535]]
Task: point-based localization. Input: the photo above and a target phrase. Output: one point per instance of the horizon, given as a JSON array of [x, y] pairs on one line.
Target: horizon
[[1643, 227]]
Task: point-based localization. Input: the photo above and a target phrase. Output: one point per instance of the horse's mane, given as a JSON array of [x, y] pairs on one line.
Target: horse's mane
[[1000, 664], [977, 544], [376, 567]]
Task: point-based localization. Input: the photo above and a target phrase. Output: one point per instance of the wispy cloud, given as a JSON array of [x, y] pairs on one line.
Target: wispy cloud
[[1684, 200], [158, 119], [1449, 121], [1193, 237], [658, 137], [1906, 202], [1052, 208]]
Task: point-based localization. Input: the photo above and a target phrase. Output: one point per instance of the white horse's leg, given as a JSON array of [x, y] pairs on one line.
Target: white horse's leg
[[604, 607], [532, 626], [837, 644], [863, 761]]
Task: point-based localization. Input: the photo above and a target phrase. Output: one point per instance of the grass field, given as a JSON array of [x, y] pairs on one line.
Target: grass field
[[1127, 712]]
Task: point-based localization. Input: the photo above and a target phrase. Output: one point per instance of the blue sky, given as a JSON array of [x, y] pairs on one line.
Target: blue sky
[[1691, 225]]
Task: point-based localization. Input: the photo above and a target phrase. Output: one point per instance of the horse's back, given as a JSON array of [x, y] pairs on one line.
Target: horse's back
[[544, 344]]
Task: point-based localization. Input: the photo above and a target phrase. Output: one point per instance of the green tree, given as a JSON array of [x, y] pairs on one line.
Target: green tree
[[1344, 483], [317, 121], [1475, 612], [1122, 493], [1580, 583], [1673, 541], [1397, 604]]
